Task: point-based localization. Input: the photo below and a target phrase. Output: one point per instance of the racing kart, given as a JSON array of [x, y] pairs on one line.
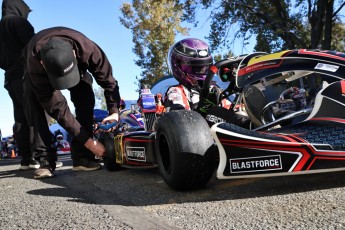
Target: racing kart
[[299, 133], [306, 139], [183, 153]]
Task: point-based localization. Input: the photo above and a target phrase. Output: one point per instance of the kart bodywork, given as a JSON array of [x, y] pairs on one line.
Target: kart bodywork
[[183, 153], [288, 135], [315, 143]]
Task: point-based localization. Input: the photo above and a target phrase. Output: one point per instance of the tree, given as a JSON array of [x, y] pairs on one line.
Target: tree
[[338, 41], [219, 57], [100, 99], [154, 24], [277, 24]]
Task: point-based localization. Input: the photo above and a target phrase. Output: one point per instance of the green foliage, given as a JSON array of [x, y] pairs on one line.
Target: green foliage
[[277, 24], [219, 57], [154, 24], [52, 121], [338, 41]]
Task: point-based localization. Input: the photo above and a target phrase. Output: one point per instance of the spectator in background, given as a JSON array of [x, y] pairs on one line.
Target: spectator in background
[[16, 31]]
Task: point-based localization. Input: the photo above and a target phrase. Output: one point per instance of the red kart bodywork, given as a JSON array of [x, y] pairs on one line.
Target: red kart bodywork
[[315, 144], [310, 139]]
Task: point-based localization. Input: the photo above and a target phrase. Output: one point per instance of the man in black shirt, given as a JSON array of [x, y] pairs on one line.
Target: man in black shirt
[[62, 58]]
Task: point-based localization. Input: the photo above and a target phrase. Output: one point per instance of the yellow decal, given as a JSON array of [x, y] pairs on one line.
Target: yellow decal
[[258, 59], [118, 148]]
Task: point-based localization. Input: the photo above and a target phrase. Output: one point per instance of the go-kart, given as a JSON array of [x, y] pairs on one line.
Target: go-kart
[[296, 123], [305, 138], [183, 153]]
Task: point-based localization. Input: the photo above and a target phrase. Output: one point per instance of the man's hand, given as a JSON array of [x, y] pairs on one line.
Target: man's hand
[[111, 118], [95, 147]]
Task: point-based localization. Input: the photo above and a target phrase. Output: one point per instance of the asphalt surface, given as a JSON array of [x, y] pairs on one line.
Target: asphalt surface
[[139, 199]]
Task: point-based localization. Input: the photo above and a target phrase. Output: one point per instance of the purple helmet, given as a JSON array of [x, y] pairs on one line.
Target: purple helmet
[[189, 60]]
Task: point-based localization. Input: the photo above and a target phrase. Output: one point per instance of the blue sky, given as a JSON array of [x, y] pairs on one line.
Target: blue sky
[[98, 20]]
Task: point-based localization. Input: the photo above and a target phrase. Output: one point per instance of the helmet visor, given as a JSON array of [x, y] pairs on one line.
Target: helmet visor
[[195, 69]]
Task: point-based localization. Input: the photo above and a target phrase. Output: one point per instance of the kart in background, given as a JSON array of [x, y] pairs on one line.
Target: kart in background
[[297, 123], [63, 147]]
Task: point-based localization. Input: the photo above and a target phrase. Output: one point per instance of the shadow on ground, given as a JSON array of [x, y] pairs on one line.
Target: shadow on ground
[[141, 187]]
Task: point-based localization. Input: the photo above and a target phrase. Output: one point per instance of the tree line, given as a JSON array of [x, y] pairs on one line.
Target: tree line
[[275, 24]]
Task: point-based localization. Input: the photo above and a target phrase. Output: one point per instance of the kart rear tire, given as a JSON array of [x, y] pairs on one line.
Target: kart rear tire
[[185, 150], [110, 159]]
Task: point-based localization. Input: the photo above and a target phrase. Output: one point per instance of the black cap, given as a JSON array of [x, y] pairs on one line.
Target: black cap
[[60, 63]]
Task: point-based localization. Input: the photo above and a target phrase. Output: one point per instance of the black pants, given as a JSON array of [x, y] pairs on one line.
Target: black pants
[[41, 139], [83, 98], [15, 90]]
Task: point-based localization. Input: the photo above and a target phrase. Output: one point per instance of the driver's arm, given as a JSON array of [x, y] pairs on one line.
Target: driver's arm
[[212, 99], [176, 99]]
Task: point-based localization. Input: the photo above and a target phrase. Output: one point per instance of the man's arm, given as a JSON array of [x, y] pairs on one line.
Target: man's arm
[[175, 99], [24, 31], [57, 107], [101, 70]]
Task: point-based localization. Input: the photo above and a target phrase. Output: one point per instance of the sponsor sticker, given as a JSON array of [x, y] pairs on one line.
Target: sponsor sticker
[[145, 91], [148, 103], [261, 65], [255, 164], [136, 153], [214, 119], [327, 67]]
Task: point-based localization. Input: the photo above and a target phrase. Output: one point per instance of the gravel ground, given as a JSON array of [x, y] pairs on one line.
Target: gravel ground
[[139, 199], [35, 204]]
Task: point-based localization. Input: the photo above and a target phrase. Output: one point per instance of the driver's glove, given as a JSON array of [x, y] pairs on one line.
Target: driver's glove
[[211, 100]]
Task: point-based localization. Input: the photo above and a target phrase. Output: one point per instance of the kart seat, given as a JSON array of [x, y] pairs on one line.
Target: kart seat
[[324, 128], [254, 101], [329, 102]]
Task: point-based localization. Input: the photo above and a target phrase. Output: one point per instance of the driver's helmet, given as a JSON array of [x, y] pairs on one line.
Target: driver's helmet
[[189, 60], [59, 137]]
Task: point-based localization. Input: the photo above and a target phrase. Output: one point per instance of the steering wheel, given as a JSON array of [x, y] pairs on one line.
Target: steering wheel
[[218, 67], [285, 118], [280, 112], [289, 90]]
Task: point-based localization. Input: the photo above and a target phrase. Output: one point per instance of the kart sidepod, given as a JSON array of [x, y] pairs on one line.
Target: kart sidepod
[[305, 139], [314, 144]]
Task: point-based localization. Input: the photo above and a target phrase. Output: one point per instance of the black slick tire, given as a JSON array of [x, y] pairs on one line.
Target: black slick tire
[[185, 150], [110, 159]]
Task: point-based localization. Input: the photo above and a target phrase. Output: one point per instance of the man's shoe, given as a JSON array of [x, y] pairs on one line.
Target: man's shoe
[[29, 164], [85, 165], [43, 173], [46, 170], [58, 164], [24, 166], [34, 164]]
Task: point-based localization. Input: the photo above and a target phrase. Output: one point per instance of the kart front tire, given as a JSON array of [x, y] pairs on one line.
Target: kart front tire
[[184, 150], [110, 159]]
